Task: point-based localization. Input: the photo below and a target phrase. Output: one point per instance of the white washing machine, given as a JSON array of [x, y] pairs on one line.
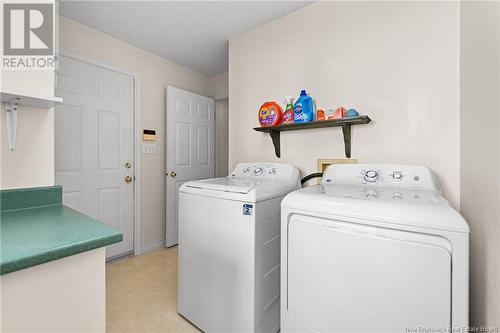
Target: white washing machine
[[229, 248], [373, 248]]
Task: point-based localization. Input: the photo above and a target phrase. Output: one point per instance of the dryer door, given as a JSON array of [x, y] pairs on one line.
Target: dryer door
[[347, 277]]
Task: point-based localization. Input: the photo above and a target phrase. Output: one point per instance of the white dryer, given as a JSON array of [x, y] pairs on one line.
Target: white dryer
[[373, 248], [229, 243]]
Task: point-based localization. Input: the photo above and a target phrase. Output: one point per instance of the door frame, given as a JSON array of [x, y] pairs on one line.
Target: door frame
[[218, 98], [137, 221]]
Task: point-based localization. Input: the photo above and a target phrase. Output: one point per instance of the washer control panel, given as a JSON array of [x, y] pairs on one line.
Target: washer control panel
[[257, 170], [383, 175], [374, 176], [276, 171]]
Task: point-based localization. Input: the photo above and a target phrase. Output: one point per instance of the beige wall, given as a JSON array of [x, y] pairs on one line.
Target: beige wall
[[28, 82], [221, 137], [480, 154], [32, 163], [155, 74], [219, 85], [219, 89], [397, 62]]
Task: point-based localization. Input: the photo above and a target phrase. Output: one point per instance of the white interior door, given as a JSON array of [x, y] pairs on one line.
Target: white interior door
[[190, 148], [94, 142]]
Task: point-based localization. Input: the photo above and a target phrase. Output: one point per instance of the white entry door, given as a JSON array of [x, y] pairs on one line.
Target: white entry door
[[190, 148], [94, 145]]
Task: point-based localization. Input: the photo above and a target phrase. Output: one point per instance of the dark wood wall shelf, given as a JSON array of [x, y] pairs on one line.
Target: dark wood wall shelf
[[346, 124]]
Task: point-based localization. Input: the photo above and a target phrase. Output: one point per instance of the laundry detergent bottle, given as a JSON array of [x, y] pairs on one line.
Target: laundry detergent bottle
[[303, 110], [288, 114]]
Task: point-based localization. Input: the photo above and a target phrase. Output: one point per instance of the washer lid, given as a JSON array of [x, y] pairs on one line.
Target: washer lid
[[239, 188], [225, 184], [251, 182]]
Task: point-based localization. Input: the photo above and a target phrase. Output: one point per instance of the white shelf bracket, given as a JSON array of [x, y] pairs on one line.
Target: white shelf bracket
[[12, 107]]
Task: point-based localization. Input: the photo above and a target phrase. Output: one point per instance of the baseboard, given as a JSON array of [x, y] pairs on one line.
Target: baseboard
[[153, 245], [119, 257]]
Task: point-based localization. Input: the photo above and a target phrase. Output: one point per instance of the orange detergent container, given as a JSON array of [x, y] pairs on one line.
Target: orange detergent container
[[269, 114]]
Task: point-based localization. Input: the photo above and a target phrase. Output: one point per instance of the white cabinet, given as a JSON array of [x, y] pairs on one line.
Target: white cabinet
[[65, 295]]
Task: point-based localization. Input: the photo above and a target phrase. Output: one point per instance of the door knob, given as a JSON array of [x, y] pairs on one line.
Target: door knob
[[128, 179], [128, 165], [173, 174]]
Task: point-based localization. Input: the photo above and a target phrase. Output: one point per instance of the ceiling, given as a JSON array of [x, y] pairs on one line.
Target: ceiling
[[193, 34]]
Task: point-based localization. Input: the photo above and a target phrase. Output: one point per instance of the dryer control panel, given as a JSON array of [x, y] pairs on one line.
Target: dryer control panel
[[274, 171], [382, 175]]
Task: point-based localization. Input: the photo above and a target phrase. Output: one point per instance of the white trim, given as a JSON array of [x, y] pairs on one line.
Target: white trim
[[137, 169], [137, 138], [221, 97], [216, 149], [120, 257], [153, 246], [84, 58]]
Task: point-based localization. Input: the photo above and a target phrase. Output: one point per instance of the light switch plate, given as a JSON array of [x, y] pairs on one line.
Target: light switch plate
[[148, 147]]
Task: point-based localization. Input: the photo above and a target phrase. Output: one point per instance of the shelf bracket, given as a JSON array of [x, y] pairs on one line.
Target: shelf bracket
[[12, 107], [275, 136], [345, 123], [346, 130]]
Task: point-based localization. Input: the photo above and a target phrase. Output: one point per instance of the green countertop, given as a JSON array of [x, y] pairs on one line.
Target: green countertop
[[31, 234]]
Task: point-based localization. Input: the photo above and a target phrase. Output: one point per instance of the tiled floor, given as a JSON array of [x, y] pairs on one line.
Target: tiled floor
[[141, 294]]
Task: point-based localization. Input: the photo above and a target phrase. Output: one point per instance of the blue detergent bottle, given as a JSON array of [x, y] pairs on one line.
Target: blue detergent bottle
[[303, 109]]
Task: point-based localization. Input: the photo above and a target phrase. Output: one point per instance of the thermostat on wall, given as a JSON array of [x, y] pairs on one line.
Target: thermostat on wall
[[148, 135]]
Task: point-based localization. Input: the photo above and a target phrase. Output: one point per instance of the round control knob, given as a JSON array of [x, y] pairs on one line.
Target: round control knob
[[258, 171], [397, 176], [397, 196], [371, 193], [371, 176], [246, 170]]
